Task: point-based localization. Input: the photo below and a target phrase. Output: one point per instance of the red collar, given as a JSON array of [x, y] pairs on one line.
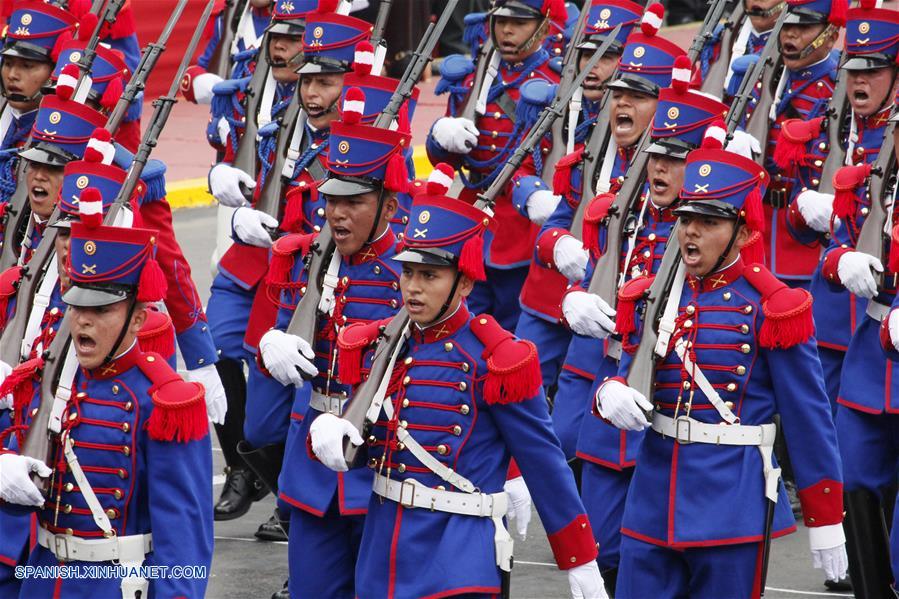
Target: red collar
[[661, 214], [875, 121], [375, 250], [717, 280], [444, 329], [117, 366]]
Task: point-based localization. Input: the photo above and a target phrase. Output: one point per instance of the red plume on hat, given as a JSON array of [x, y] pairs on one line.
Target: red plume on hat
[[327, 6], [152, 286], [100, 147], [845, 181], [715, 136], [114, 90], [555, 10], [652, 19], [67, 81], [440, 180], [90, 207], [681, 73], [839, 12], [363, 58], [353, 106]]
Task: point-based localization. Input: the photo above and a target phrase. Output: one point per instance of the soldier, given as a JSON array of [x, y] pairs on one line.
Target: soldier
[[518, 29], [608, 453], [755, 29], [366, 170], [132, 420], [739, 350], [464, 395]]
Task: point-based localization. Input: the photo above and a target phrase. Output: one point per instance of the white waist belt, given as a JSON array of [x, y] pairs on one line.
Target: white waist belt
[[127, 550], [686, 430], [332, 404], [877, 311], [412, 494]]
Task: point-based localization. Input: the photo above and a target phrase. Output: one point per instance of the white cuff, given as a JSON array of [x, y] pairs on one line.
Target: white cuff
[[826, 537]]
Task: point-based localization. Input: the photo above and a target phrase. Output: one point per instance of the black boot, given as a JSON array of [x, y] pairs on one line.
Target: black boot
[[610, 581], [242, 486], [274, 529], [265, 462], [868, 545], [284, 593]]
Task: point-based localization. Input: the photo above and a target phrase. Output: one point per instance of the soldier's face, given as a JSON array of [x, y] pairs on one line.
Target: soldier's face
[[95, 331], [25, 77], [867, 90], [352, 219], [795, 38], [285, 49], [593, 84], [260, 3], [632, 113], [43, 183], [511, 34], [763, 24], [666, 177], [425, 288], [62, 254], [703, 239], [319, 93]]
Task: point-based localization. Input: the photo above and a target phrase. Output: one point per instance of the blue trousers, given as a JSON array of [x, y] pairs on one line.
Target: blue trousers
[[322, 554], [551, 339], [228, 312], [719, 572], [603, 491], [498, 295], [869, 448]]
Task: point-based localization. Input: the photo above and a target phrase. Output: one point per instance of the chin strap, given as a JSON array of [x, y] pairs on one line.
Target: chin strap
[[448, 302], [723, 256], [374, 225], [811, 47], [132, 303], [526, 45], [763, 12]]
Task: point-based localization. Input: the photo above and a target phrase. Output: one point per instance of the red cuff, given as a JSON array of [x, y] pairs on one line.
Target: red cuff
[[574, 545], [546, 245], [309, 451], [261, 366], [593, 409], [829, 268], [513, 471], [795, 218], [822, 503], [187, 82]]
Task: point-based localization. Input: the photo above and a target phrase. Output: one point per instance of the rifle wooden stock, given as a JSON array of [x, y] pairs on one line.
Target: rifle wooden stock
[[220, 64], [594, 152], [714, 79], [485, 55], [874, 237], [245, 158], [706, 31], [270, 198], [837, 112]]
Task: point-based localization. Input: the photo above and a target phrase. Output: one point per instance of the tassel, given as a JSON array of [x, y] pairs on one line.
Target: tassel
[[86, 26], [152, 286], [839, 12], [403, 124], [844, 203], [628, 296], [555, 10], [78, 8], [349, 366], [475, 32], [681, 74], [124, 25], [183, 421], [293, 210], [845, 181], [794, 135], [594, 215], [9, 283], [562, 176], [894, 250], [113, 92], [516, 382], [754, 250], [19, 383], [753, 214], [590, 237], [352, 342], [785, 328], [471, 260], [396, 176], [327, 6]]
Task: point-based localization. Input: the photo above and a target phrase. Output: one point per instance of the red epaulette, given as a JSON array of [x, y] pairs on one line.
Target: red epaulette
[[179, 407], [513, 367], [157, 335], [845, 181], [284, 252], [9, 282], [562, 176], [628, 296], [794, 137], [595, 212], [788, 311], [351, 344]]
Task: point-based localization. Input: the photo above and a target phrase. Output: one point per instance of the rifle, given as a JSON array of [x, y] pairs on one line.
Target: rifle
[[714, 79], [304, 322], [15, 220], [220, 64], [245, 158], [769, 61], [874, 237], [836, 113], [357, 409], [39, 439]]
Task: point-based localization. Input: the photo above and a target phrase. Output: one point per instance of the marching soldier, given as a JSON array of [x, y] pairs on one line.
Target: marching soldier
[[481, 141], [464, 395], [736, 347], [131, 459], [327, 510]]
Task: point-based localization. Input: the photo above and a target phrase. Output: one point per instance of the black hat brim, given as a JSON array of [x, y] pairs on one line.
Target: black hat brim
[[672, 150], [86, 297], [706, 208], [804, 17], [333, 186], [866, 63], [46, 154], [635, 84], [416, 256]]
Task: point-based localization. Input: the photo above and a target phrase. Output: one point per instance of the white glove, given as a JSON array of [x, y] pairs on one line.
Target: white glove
[[216, 401], [744, 144], [285, 356], [623, 406], [816, 208], [588, 314], [456, 135], [854, 271], [224, 183], [224, 130], [203, 85], [585, 582], [828, 544], [541, 205], [571, 258], [247, 224], [16, 485], [519, 511], [327, 432], [6, 402]]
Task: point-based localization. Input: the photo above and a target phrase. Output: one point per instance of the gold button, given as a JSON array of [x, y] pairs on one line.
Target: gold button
[[747, 309], [317, 228], [652, 237], [122, 473], [67, 509], [406, 379], [493, 147], [811, 519], [482, 321], [463, 386], [400, 446], [408, 361], [115, 389], [81, 395], [394, 285], [826, 490], [816, 182], [865, 211], [691, 309], [448, 346], [372, 439], [573, 559], [688, 324], [741, 370], [320, 212], [70, 532], [117, 494], [128, 406], [494, 134], [126, 427], [859, 151], [464, 410], [729, 405], [457, 430], [744, 328], [687, 385], [111, 513], [69, 487], [818, 163], [401, 468], [345, 280], [466, 367], [126, 450], [756, 269], [822, 146], [73, 416], [302, 290], [731, 387], [726, 296], [151, 359], [404, 423], [405, 402], [745, 348], [372, 462], [377, 269], [33, 412], [442, 449], [497, 114]]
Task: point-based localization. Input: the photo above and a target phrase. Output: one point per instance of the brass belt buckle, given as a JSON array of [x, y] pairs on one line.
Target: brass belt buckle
[[61, 547], [403, 486], [683, 429]]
